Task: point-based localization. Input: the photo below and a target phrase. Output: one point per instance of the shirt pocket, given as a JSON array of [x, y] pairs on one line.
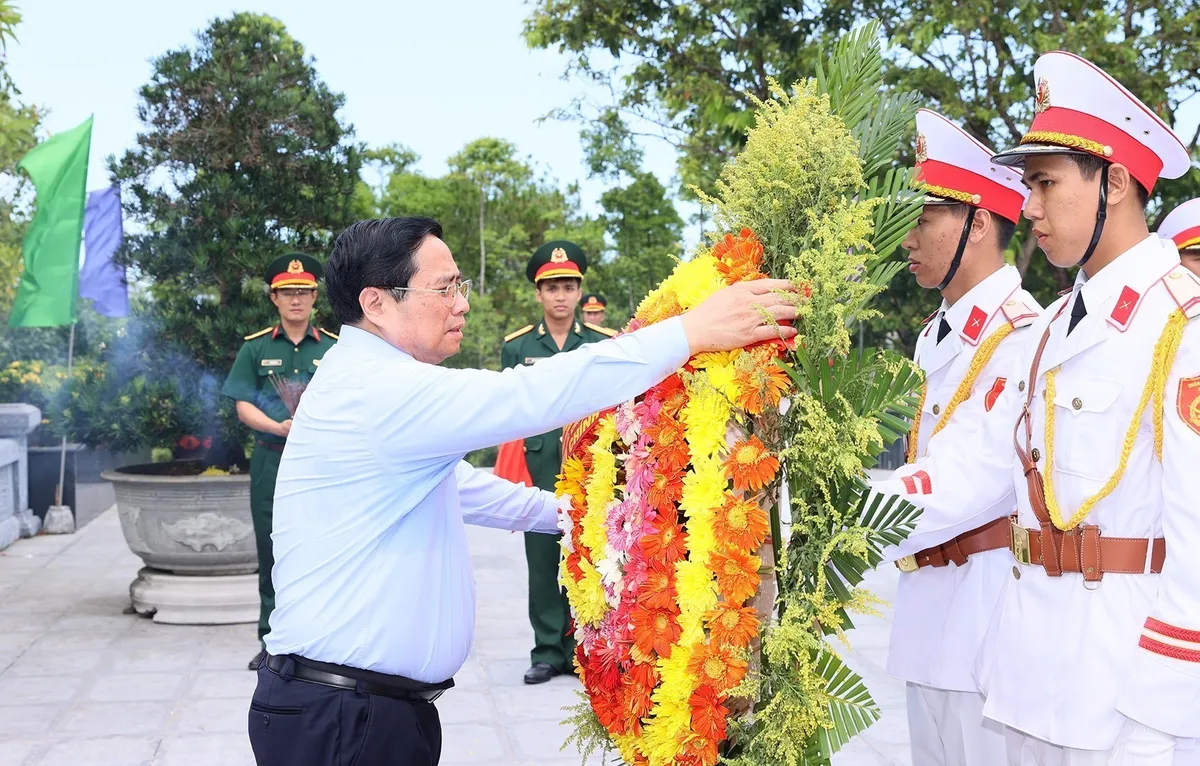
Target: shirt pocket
[[534, 443], [1089, 427]]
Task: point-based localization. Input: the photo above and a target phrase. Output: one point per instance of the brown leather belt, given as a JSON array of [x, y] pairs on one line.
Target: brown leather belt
[[269, 445], [1085, 550], [990, 537]]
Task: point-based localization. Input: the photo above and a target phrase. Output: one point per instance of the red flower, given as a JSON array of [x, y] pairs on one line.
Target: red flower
[[666, 489], [659, 590], [655, 630], [708, 714], [667, 543]]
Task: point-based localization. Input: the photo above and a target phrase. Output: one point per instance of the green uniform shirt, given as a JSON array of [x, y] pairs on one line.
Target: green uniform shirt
[[543, 454], [268, 353]]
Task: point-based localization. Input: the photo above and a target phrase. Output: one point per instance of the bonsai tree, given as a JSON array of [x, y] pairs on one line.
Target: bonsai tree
[[242, 159]]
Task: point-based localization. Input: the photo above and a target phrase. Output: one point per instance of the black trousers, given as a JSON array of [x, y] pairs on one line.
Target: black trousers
[[299, 723]]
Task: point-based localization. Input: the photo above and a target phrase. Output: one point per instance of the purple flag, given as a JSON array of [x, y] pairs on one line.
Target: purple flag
[[101, 280]]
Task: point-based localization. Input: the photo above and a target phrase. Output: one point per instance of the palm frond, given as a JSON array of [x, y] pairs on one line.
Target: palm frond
[[850, 706], [896, 215], [853, 78], [880, 133]]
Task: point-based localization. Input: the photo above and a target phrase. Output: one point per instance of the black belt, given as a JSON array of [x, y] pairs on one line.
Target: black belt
[[396, 687], [270, 445]]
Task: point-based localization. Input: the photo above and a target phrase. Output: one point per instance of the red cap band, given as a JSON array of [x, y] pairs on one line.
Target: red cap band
[[994, 197], [1143, 163]]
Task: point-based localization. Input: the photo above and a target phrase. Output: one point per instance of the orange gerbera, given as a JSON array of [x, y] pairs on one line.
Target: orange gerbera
[[750, 465], [669, 448], [732, 624], [667, 543], [721, 667], [761, 386], [737, 574], [640, 681], [654, 630], [658, 592], [708, 714], [738, 258], [740, 524], [666, 489]]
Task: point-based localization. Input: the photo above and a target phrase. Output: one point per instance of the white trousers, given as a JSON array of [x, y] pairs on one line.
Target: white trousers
[[948, 729], [1136, 745]]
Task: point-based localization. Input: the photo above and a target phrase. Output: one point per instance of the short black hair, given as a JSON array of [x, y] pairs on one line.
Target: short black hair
[[1089, 165], [377, 252], [1004, 227]]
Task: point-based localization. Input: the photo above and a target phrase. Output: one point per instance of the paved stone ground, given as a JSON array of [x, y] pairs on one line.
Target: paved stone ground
[[82, 684]]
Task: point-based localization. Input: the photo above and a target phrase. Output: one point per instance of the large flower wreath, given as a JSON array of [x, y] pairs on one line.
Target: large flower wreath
[[716, 528]]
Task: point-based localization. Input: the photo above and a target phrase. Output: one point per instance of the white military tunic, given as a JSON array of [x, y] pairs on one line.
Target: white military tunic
[[1066, 662], [942, 612]]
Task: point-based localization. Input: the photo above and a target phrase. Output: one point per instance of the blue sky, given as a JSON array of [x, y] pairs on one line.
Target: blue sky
[[430, 74]]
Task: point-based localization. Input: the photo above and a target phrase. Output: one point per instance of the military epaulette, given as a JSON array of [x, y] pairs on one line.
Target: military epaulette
[[1018, 313], [1184, 288], [599, 329], [258, 334], [518, 333], [322, 329]]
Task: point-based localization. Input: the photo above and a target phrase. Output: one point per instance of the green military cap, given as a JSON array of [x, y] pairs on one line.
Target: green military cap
[[294, 270], [556, 259], [593, 302]]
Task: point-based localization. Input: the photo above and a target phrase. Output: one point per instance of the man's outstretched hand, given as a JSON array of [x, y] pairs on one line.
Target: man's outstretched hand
[[737, 316]]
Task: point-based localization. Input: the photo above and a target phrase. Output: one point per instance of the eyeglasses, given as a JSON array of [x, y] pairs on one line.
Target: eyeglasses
[[449, 294]]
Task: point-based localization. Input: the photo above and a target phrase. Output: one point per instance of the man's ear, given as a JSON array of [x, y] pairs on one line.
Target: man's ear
[[980, 226], [1120, 184], [370, 300]]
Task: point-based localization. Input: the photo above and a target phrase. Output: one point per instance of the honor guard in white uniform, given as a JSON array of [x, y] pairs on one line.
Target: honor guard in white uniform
[[1182, 226], [1093, 658], [947, 592]]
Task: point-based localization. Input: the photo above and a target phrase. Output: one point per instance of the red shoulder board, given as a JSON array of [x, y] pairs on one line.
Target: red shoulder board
[[1018, 313], [1184, 288], [1122, 313], [975, 324]]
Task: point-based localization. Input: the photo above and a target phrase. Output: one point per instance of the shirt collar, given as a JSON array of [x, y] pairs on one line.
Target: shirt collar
[[310, 332], [1137, 267], [985, 297], [356, 339]]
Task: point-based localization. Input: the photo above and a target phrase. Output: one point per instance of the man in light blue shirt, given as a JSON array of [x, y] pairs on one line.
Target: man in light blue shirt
[[375, 599]]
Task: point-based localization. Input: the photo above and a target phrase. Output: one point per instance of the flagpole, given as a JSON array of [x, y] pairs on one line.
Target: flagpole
[[62, 461]]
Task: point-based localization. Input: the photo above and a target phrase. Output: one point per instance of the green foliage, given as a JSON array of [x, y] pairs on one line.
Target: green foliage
[[242, 159], [813, 183], [687, 68], [18, 126]]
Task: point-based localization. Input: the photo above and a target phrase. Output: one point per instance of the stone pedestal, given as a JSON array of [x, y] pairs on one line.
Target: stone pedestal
[[17, 421], [191, 600], [195, 535]]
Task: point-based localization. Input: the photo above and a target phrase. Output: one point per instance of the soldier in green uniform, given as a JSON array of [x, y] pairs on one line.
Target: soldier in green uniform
[[290, 350], [594, 307], [556, 270]]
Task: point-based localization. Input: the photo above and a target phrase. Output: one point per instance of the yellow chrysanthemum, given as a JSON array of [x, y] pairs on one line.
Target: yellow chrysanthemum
[[704, 486], [709, 359], [586, 594], [705, 418], [695, 280], [627, 746], [570, 482], [600, 489], [724, 378], [697, 589]]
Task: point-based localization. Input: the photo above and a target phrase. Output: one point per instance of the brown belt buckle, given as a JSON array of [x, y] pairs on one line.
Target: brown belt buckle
[[1019, 543], [907, 564]]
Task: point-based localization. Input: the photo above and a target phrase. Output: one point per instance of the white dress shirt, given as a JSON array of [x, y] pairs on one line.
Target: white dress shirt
[[371, 563]]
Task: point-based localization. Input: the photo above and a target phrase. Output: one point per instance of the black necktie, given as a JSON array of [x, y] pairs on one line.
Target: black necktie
[[1078, 311], [943, 329]]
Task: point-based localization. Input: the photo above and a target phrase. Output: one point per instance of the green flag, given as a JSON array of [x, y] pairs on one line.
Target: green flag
[[50, 282]]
